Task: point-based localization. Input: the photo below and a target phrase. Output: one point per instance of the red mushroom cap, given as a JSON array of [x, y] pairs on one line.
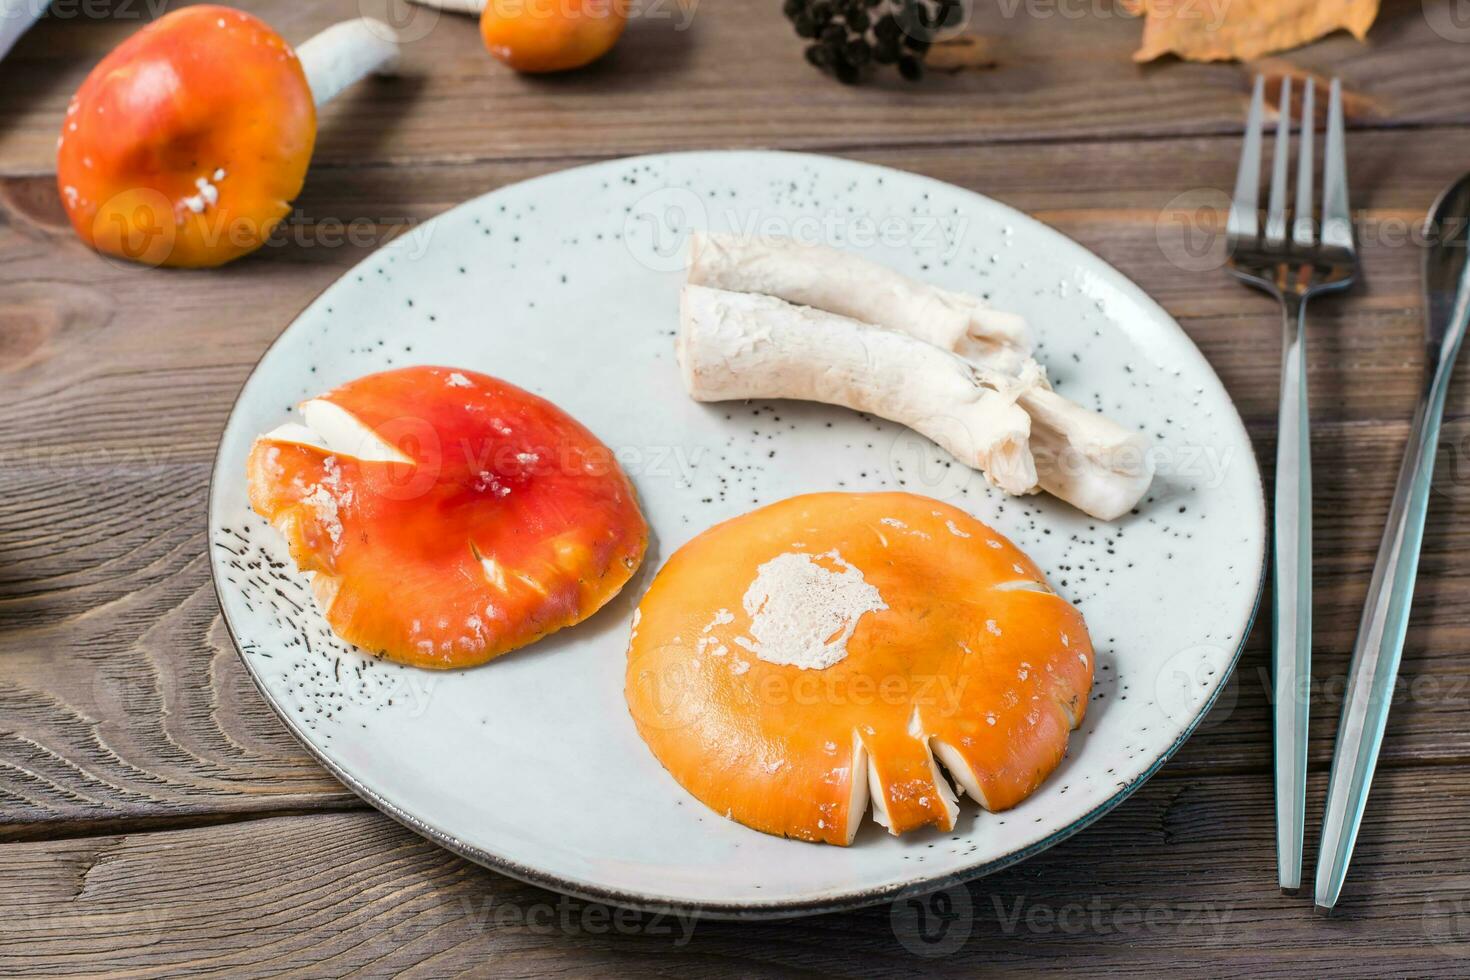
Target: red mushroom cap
[[185, 145], [466, 517]]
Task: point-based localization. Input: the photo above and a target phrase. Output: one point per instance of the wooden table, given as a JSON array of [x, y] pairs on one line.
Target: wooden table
[[155, 816]]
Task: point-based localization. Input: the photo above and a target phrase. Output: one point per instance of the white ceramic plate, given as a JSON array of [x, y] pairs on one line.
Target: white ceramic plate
[[567, 285]]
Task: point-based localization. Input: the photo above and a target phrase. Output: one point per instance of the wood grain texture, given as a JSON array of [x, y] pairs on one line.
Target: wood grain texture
[[115, 396], [155, 817], [731, 72], [334, 894]]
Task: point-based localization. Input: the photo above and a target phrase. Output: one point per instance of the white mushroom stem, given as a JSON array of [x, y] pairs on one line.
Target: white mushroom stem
[[16, 17], [1081, 456], [1085, 458], [741, 345], [849, 285], [345, 53]]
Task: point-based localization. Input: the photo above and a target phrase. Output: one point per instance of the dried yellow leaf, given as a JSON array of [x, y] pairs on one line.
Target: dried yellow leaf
[[1221, 30]]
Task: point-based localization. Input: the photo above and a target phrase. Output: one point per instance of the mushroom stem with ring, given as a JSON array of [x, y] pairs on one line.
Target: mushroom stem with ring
[[345, 53], [742, 345]]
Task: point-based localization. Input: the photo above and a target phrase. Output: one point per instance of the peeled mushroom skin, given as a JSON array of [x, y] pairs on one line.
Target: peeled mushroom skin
[[742, 345]]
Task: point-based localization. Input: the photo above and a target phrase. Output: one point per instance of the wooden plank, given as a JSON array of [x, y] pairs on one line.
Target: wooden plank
[[120, 697], [1126, 208], [732, 73], [1180, 877]]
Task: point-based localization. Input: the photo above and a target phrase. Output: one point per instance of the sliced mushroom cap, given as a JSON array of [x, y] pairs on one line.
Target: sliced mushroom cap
[[551, 37], [789, 664], [185, 144], [448, 516]]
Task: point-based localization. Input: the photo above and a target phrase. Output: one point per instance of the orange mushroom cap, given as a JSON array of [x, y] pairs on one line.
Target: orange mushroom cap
[[786, 662], [537, 36], [465, 518], [185, 145]]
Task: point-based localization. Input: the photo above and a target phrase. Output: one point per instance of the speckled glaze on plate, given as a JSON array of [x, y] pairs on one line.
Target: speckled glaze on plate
[[567, 285]]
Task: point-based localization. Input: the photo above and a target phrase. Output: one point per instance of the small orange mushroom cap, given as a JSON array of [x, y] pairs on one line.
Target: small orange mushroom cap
[[787, 663], [551, 35], [185, 145], [448, 516]]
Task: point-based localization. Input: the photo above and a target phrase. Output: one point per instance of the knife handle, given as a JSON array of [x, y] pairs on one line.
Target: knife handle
[[1380, 644]]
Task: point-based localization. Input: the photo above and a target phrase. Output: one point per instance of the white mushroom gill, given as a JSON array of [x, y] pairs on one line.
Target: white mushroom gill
[[1022, 585], [330, 427], [857, 805], [943, 793], [879, 796], [960, 769]]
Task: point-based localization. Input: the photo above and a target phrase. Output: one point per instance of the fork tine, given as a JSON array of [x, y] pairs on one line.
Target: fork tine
[[1301, 229], [1337, 221], [1276, 213], [1242, 221]]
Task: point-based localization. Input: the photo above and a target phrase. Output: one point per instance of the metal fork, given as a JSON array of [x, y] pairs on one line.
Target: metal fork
[[1312, 259]]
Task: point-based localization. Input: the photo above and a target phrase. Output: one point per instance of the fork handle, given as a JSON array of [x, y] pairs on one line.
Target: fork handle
[[1292, 595], [1380, 642]]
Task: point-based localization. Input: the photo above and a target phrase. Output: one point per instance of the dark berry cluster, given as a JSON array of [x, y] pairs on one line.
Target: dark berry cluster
[[851, 38]]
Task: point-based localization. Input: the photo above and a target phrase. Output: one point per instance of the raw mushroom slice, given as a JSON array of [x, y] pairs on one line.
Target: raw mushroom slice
[[852, 286], [448, 517], [742, 345], [789, 665], [1081, 456], [186, 144]]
